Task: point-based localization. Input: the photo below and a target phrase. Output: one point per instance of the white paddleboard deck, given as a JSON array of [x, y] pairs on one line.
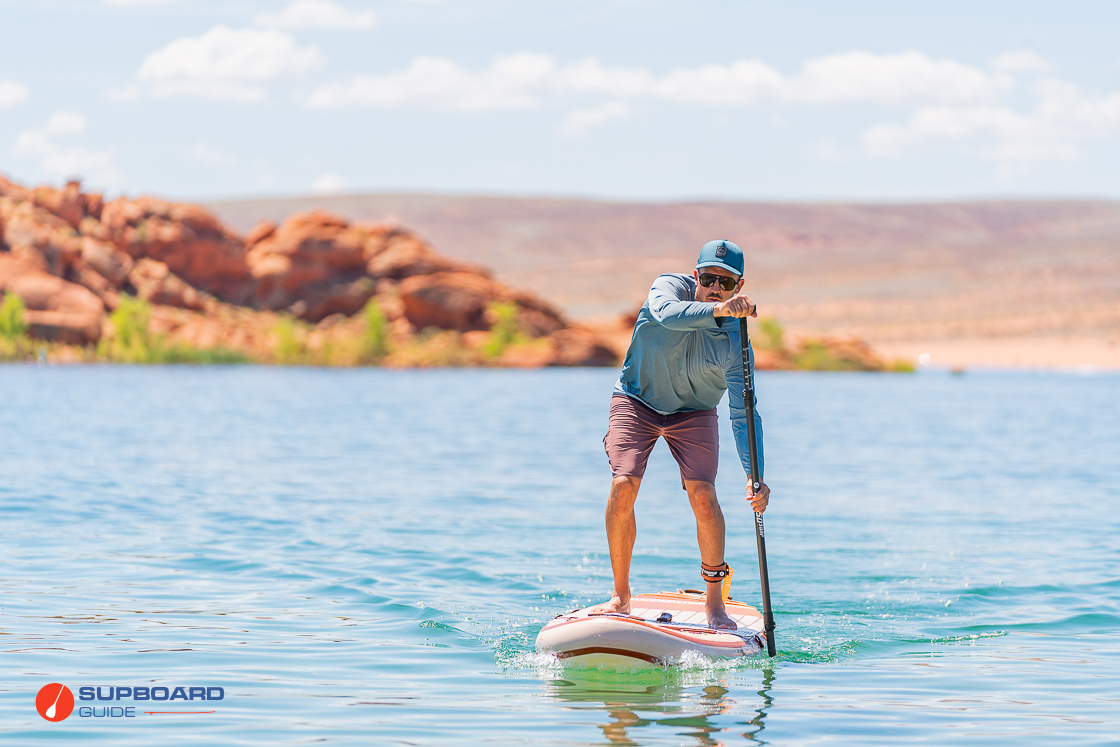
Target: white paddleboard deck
[[659, 630]]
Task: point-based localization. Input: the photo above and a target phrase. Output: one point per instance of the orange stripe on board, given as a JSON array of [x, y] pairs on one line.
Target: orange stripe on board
[[694, 635], [603, 650]]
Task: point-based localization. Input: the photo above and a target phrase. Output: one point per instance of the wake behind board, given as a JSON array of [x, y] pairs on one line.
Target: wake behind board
[[659, 629]]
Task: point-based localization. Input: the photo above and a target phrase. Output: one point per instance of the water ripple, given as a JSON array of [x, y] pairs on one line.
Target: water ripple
[[367, 557]]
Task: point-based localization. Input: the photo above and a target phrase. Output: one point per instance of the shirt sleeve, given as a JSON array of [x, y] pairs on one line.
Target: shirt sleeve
[[670, 304], [735, 388]]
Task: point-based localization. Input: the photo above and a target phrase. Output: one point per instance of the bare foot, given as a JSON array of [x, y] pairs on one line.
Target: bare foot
[[719, 620], [616, 606]]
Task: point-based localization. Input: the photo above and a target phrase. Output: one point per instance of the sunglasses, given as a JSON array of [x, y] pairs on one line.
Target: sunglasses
[[725, 283]]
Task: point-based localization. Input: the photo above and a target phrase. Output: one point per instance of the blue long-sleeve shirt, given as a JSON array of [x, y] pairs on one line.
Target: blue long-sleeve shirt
[[682, 359]]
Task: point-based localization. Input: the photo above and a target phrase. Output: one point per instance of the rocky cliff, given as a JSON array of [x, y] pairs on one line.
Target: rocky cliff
[[313, 281]]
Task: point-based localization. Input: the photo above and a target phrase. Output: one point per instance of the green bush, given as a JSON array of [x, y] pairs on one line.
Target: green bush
[[772, 334], [133, 343], [434, 348], [130, 321], [374, 343], [130, 342], [815, 356], [11, 317], [901, 366], [20, 348], [184, 353], [289, 349], [506, 329]]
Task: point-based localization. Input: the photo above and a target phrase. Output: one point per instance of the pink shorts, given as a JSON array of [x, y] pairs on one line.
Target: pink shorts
[[693, 439]]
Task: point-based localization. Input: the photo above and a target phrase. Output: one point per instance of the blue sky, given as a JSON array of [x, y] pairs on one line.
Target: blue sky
[[626, 99]]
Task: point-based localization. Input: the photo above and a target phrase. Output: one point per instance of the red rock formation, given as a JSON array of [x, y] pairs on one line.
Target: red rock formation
[[461, 300], [396, 254], [188, 239], [155, 283], [315, 260], [70, 256], [448, 300], [66, 203], [56, 310], [220, 326], [37, 233], [537, 318], [107, 260], [261, 231], [12, 190], [578, 346]]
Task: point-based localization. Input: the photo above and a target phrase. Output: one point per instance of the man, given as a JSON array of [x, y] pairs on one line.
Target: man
[[684, 354]]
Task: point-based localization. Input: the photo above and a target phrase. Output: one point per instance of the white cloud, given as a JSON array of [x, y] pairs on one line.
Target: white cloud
[[318, 14], [525, 79], [946, 100], [203, 152], [512, 82], [66, 161], [1021, 61], [11, 93], [589, 76], [840, 78], [739, 84], [1063, 119], [890, 79], [329, 184], [137, 3], [848, 77], [225, 63], [581, 121], [515, 81], [66, 123]]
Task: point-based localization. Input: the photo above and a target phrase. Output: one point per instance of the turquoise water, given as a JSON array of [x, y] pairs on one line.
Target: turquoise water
[[365, 557]]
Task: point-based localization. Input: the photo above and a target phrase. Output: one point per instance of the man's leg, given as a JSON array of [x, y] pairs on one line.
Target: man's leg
[[633, 430], [622, 528], [693, 439], [710, 534]]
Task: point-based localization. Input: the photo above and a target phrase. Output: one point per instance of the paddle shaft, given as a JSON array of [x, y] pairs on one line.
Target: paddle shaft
[[756, 481]]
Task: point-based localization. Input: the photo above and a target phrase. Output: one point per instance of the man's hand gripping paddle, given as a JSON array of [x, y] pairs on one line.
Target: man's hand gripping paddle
[[756, 481]]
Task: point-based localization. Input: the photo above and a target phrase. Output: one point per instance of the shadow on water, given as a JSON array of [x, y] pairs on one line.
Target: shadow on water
[[690, 704]]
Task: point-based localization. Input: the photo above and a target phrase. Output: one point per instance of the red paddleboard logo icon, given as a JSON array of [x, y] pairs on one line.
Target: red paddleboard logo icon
[[54, 702]]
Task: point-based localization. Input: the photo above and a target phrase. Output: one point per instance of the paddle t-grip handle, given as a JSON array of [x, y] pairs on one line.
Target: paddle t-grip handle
[[756, 483]]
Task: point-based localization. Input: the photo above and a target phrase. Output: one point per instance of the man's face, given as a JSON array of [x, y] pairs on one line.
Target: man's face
[[715, 294]]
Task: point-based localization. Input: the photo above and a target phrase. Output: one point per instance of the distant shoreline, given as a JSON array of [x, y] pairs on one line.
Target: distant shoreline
[[1010, 353], [1015, 282]]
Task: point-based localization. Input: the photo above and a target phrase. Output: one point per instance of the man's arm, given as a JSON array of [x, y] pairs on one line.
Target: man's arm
[[671, 305]]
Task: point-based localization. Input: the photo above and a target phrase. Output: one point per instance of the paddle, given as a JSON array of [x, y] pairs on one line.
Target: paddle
[[756, 481]]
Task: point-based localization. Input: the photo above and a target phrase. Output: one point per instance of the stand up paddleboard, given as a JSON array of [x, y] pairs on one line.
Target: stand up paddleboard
[[659, 630]]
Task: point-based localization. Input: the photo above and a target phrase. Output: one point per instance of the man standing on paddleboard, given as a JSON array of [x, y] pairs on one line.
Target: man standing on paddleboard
[[684, 354]]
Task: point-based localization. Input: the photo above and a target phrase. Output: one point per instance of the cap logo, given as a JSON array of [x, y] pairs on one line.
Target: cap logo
[[721, 251]]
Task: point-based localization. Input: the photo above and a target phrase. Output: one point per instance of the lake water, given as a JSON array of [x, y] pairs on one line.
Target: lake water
[[365, 557]]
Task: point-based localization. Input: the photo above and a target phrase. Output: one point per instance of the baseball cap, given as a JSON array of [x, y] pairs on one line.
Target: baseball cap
[[721, 253]]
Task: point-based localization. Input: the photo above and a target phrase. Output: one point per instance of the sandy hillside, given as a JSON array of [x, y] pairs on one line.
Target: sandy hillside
[[981, 283]]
